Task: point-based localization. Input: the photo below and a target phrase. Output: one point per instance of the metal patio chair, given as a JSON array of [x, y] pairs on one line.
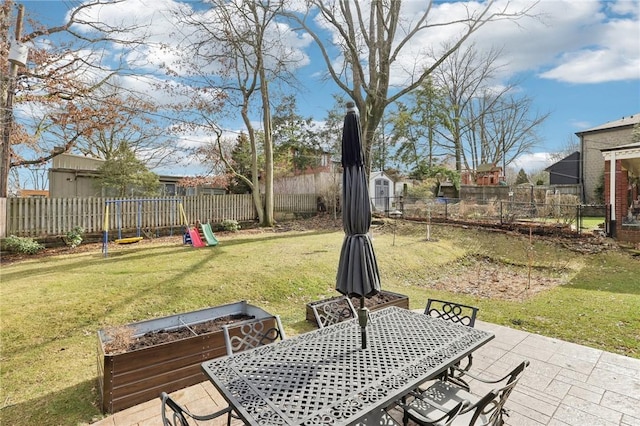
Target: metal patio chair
[[333, 311], [441, 397], [459, 314], [379, 417], [452, 311], [252, 333], [173, 414]]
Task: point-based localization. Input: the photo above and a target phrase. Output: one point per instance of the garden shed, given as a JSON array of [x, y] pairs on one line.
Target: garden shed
[[382, 191]]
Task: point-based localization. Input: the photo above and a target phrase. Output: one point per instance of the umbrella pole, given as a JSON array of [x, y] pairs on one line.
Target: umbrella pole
[[363, 316]]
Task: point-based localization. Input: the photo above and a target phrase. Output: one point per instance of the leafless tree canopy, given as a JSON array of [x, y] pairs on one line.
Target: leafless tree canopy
[[60, 101], [243, 42], [486, 122], [373, 36]]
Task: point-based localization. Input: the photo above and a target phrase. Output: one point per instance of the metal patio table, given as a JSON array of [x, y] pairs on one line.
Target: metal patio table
[[324, 378]]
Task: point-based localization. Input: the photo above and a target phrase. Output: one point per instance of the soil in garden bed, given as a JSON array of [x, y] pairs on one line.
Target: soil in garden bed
[[376, 300], [122, 339]]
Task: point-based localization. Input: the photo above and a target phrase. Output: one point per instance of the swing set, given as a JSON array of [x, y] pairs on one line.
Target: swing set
[[118, 206]]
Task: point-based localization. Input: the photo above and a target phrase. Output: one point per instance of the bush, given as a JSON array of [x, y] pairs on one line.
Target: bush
[[425, 189], [22, 245], [230, 225], [74, 237]]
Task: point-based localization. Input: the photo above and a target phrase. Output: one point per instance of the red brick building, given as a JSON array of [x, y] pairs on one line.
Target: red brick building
[[622, 191], [485, 174]]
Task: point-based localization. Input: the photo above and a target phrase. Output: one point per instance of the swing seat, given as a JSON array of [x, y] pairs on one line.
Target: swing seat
[[129, 240]]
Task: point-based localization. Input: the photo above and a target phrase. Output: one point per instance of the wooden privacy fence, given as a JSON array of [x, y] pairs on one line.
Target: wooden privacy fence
[[43, 217]]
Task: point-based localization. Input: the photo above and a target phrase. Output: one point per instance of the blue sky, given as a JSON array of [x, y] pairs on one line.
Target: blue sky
[[580, 61]]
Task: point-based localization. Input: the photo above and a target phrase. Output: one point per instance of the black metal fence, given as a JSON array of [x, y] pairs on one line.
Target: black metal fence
[[576, 217]]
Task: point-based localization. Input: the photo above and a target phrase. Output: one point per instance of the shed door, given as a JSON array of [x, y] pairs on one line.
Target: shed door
[[382, 194]]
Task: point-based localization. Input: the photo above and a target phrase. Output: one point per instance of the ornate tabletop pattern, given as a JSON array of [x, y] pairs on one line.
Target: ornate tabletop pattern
[[324, 378]]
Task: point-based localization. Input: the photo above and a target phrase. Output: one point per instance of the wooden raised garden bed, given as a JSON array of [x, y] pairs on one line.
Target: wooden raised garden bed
[[381, 300], [139, 373]]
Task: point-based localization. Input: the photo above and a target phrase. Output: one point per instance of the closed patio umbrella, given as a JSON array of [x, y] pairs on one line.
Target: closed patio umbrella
[[358, 274]]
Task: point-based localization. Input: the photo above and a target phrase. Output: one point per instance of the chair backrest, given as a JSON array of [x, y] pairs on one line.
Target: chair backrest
[[451, 311], [333, 311], [490, 408], [252, 333], [173, 414]]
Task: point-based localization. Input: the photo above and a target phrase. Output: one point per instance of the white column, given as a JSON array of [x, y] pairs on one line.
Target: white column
[[612, 185]]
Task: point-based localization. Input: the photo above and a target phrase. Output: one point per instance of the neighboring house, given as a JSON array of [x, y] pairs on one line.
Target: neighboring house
[[314, 180], [565, 171], [592, 142], [485, 174], [622, 191], [76, 176]]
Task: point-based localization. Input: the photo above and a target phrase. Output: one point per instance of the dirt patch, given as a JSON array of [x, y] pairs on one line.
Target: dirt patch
[[488, 278], [122, 339]]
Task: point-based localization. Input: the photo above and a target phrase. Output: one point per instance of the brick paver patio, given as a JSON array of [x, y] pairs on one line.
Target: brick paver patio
[[565, 385]]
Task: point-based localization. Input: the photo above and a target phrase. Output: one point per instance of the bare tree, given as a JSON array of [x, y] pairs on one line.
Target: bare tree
[[505, 130], [571, 145], [243, 39], [127, 119], [466, 77], [485, 122], [50, 94], [373, 36]]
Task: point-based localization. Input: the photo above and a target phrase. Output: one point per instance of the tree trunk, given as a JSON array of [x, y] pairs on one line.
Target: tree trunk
[[267, 219]]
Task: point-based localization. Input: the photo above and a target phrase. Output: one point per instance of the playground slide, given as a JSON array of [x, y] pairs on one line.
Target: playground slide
[[208, 234], [196, 241]]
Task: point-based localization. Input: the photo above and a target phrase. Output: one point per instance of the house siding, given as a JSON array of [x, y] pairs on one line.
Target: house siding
[[73, 175], [592, 142], [565, 171]]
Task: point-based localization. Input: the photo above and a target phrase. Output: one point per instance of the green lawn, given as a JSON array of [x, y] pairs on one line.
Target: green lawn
[[590, 223], [51, 308]]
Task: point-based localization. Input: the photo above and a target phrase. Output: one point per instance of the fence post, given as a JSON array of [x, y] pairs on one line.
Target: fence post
[[501, 222], [3, 217], [579, 218]]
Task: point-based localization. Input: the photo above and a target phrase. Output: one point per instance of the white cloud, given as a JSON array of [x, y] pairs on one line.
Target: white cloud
[[580, 125], [532, 162], [609, 50], [163, 27], [624, 7], [565, 40], [598, 66], [571, 41], [615, 58]]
